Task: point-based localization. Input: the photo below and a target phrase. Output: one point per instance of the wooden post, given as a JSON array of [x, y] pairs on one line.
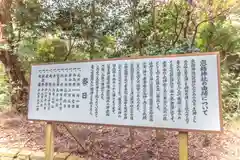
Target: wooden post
[[49, 141], [183, 145]]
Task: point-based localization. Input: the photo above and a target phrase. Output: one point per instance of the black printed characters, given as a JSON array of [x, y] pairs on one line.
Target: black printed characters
[[204, 88], [85, 81]]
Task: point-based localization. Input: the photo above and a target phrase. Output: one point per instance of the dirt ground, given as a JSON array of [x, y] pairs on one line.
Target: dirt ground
[[111, 143]]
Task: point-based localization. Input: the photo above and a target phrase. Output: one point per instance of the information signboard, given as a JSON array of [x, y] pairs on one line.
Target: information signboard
[[179, 92]]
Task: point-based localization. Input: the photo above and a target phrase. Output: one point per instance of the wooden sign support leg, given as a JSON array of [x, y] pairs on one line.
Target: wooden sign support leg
[[49, 141], [183, 145]]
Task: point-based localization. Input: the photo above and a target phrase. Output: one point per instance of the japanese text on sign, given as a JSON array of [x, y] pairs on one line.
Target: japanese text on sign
[[179, 92]]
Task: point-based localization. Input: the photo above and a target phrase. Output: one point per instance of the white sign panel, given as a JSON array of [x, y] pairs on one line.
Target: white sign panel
[[180, 92]]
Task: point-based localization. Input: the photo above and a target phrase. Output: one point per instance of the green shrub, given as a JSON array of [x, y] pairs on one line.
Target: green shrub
[[230, 84]]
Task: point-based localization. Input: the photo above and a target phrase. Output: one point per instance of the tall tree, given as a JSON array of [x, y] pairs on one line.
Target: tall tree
[[12, 66]]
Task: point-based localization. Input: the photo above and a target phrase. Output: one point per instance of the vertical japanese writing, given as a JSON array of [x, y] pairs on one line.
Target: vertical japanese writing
[[113, 87], [58, 79], [108, 91], [102, 81], [164, 82], [186, 91], [204, 88], [119, 90], [132, 94], [49, 98], [91, 89], [194, 101], [125, 90], [138, 85], [97, 90], [144, 117], [150, 91], [172, 107], [158, 85], [179, 89]]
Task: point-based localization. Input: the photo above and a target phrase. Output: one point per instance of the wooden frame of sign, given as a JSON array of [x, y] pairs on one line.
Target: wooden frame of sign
[[163, 92]]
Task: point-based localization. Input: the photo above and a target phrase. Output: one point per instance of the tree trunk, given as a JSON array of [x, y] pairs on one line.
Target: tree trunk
[[16, 76]]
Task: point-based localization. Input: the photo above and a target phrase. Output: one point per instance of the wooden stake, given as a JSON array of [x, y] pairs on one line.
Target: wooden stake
[[49, 141], [183, 145]]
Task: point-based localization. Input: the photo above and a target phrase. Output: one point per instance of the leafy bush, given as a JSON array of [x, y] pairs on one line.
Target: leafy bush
[[52, 49], [4, 92], [230, 83]]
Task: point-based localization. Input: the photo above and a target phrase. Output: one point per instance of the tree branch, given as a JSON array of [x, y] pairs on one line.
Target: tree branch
[[176, 24], [187, 23], [176, 18], [178, 35], [204, 21], [71, 44]]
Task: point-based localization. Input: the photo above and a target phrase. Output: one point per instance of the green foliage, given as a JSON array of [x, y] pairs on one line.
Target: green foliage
[[230, 94], [4, 90], [221, 36], [51, 50], [27, 12]]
